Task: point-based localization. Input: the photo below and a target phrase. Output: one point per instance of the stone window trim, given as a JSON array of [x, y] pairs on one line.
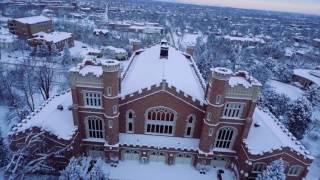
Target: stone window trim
[[109, 91], [225, 137], [115, 109], [258, 167], [190, 125], [160, 120], [92, 99], [233, 110], [91, 130], [218, 99], [295, 170], [130, 116]]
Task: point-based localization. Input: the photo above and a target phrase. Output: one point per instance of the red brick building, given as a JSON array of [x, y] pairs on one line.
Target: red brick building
[[157, 107], [27, 26]]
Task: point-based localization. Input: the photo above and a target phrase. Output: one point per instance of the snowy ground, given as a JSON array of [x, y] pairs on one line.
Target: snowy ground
[[282, 88], [3, 123], [81, 49], [133, 170], [312, 143]]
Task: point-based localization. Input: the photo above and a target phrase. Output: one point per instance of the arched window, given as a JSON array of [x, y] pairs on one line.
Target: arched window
[[295, 170], [258, 167], [160, 121], [130, 121], [190, 126], [225, 137], [95, 127]]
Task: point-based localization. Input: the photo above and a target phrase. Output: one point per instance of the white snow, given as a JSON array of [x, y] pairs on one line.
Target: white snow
[[270, 135], [236, 80], [289, 90], [116, 50], [244, 39], [159, 141], [50, 119], [310, 74], [33, 19], [81, 49], [147, 69], [189, 39], [3, 123], [95, 70], [133, 170], [52, 37]]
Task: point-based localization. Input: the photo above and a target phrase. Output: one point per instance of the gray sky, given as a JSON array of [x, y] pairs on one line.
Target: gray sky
[[301, 6]]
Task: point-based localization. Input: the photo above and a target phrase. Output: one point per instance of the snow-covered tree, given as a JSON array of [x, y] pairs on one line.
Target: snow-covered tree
[[32, 155], [313, 95], [276, 103], [299, 117], [275, 171], [83, 168], [66, 57]]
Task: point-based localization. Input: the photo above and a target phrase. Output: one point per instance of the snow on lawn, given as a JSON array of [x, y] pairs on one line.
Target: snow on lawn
[[81, 49], [133, 170], [282, 88]]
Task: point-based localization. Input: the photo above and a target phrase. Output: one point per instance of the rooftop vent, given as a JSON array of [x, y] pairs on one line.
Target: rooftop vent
[[60, 107], [164, 50]]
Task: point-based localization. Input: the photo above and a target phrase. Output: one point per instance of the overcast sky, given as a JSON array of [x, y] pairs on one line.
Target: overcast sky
[[301, 6]]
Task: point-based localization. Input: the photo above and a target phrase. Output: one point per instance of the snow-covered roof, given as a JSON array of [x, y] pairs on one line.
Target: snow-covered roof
[[49, 118], [243, 78], [33, 19], [310, 74], [147, 69], [94, 67], [158, 141], [289, 90], [267, 134], [116, 50], [52, 37]]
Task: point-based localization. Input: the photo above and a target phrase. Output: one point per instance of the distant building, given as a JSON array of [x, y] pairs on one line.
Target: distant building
[[26, 27], [307, 77], [57, 39], [316, 42]]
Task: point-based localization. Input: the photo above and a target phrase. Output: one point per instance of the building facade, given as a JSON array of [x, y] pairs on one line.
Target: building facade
[[158, 108], [26, 27], [54, 41]]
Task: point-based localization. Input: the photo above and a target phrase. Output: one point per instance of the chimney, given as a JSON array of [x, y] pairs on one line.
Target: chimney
[[136, 45], [190, 50], [164, 49]]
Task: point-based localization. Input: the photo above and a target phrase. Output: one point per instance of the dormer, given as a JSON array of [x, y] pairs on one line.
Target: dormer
[[164, 49]]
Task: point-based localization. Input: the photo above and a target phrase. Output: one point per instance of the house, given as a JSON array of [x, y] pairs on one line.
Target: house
[[54, 40], [159, 108], [27, 26], [115, 53], [307, 77]]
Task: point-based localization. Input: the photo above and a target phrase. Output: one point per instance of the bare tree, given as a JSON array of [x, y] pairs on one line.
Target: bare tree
[[45, 79], [32, 154]]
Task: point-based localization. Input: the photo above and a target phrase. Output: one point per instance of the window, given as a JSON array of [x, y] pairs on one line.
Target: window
[[110, 123], [95, 128], [92, 99], [259, 167], [190, 126], [233, 110], [109, 91], [209, 116], [295, 170], [210, 131], [225, 138], [218, 99], [130, 121], [160, 121], [115, 109]]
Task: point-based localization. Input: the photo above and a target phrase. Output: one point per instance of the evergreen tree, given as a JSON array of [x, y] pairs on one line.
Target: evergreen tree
[[313, 95], [299, 117], [275, 171], [66, 58]]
